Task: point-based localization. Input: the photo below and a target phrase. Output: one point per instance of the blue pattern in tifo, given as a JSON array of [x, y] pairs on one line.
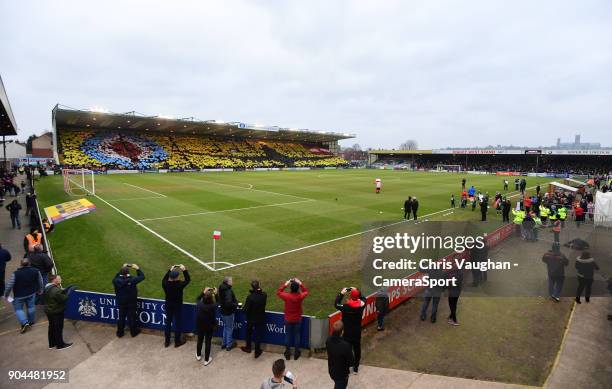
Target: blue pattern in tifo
[[98, 147]]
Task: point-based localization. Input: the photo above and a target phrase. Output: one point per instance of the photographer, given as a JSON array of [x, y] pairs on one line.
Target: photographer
[[173, 287], [255, 311], [205, 322], [352, 312], [280, 377], [127, 297], [293, 313], [228, 305], [55, 303]]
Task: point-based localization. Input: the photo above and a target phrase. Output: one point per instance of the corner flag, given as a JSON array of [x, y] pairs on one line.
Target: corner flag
[[216, 235]]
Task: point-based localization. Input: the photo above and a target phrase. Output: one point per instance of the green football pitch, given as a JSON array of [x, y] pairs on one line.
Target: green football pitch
[[275, 225]]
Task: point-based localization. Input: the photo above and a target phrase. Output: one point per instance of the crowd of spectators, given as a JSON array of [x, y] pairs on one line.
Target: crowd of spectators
[[160, 151], [581, 165]]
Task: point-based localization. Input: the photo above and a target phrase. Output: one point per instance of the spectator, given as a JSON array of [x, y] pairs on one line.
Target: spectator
[[454, 291], [126, 292], [5, 256], [279, 378], [555, 265], [14, 207], [432, 292], [352, 312], [25, 283], [30, 203], [339, 356], [293, 313], [255, 311], [585, 269], [205, 322], [173, 289], [41, 260], [228, 305], [382, 308], [55, 304]]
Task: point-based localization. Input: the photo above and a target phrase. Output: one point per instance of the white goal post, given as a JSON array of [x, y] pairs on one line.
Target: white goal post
[[449, 168], [81, 180]]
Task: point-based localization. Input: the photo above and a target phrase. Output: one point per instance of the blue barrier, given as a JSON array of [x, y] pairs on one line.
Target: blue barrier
[[102, 307]]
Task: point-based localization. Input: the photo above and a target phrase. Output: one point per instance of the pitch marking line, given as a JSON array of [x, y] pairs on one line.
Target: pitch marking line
[[347, 236], [328, 241], [245, 188], [223, 211], [145, 189], [179, 248]]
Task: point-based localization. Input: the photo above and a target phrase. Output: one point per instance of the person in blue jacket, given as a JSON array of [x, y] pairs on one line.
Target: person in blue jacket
[[126, 293]]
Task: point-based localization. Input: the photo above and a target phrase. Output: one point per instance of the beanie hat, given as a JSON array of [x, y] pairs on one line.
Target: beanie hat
[[174, 274]]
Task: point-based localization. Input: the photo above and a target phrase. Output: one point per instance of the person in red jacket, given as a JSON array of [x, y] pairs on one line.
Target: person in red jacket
[[579, 215], [293, 313]]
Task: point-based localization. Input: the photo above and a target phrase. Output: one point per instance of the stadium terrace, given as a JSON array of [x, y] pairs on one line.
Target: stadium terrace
[[97, 138]]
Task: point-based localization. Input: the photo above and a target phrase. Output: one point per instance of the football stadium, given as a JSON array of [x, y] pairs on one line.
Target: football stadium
[[149, 250]]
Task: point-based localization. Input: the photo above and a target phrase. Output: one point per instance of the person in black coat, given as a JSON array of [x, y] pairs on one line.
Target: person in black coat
[[555, 266], [454, 291], [255, 311], [339, 356], [585, 270], [415, 207], [14, 207], [227, 307], [5, 256], [506, 207], [352, 311], [407, 208], [173, 288], [382, 308], [206, 308], [484, 206], [126, 294]]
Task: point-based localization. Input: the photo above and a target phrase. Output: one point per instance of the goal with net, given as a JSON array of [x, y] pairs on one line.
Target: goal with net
[[78, 182], [448, 168]]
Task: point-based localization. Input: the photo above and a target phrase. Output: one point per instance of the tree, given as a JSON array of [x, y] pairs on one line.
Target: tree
[[410, 144], [356, 147]]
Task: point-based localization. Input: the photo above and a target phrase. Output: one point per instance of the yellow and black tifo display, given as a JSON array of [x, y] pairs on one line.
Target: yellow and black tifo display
[[161, 151]]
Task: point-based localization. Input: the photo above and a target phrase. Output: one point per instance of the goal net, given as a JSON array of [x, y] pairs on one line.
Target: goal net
[[448, 168], [79, 182]]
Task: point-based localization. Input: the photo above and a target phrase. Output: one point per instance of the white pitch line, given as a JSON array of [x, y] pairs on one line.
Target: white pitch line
[[139, 198], [182, 250], [251, 188], [148, 190], [327, 241], [223, 211]]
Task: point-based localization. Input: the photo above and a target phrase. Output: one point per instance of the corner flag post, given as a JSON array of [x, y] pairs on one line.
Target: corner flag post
[[216, 236]]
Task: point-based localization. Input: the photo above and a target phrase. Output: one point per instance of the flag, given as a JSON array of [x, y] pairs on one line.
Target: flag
[[216, 234]]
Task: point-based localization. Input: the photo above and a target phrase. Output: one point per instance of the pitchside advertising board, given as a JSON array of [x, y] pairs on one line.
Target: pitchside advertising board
[[399, 294], [102, 307]]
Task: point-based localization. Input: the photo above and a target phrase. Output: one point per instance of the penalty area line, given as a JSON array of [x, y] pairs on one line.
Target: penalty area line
[[179, 248]]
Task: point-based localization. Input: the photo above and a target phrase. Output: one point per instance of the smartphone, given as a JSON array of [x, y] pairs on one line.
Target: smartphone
[[289, 377], [129, 265]]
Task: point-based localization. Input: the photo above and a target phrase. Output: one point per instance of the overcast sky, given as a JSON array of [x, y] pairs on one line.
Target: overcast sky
[[445, 73]]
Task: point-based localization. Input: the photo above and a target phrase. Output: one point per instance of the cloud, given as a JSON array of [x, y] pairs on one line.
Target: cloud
[[446, 73]]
